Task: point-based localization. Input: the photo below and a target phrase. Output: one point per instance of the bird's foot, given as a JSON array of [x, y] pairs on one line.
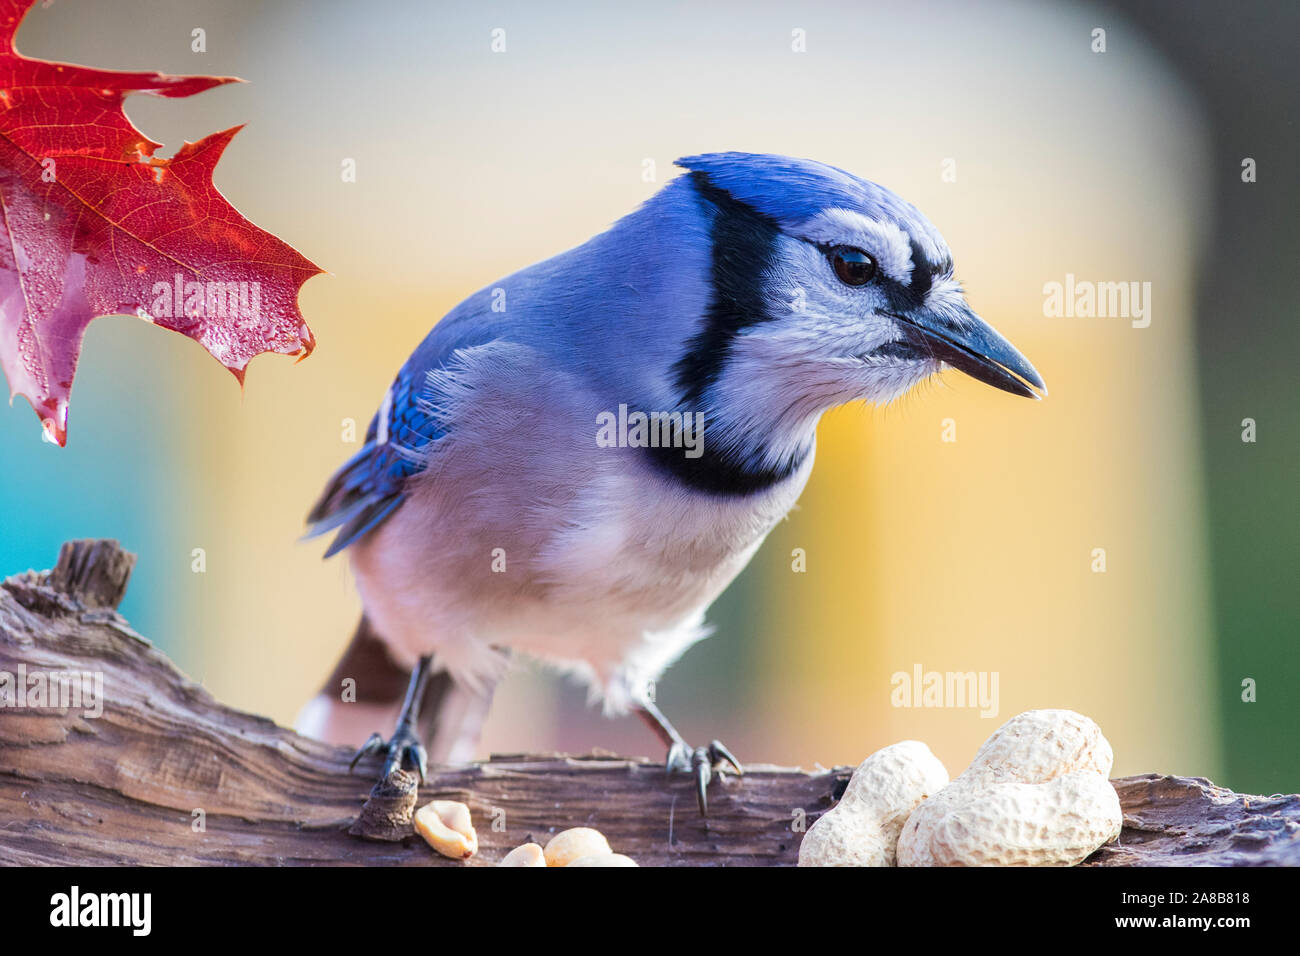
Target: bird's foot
[[701, 762], [404, 751]]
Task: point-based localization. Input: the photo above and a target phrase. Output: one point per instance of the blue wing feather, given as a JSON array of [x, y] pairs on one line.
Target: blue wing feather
[[369, 486], [402, 435]]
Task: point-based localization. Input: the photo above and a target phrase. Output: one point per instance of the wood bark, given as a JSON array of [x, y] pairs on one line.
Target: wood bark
[[167, 775]]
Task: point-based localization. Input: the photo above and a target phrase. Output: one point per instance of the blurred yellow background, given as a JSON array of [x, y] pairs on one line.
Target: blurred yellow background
[[973, 555]]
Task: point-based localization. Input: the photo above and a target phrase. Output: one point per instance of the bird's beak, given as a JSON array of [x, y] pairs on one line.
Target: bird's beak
[[962, 339]]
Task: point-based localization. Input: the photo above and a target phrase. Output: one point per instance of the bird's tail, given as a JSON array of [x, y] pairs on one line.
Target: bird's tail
[[451, 718]]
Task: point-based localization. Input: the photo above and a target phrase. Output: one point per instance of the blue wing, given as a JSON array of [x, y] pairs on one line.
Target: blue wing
[[562, 306], [371, 484], [369, 487]]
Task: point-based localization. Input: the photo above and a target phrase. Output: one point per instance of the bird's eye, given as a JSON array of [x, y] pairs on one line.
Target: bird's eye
[[852, 266]]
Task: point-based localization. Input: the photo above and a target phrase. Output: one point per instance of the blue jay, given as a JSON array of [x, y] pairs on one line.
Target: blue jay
[[485, 514]]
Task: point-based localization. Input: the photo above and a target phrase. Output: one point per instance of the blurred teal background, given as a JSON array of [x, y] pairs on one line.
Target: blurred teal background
[[122, 478]]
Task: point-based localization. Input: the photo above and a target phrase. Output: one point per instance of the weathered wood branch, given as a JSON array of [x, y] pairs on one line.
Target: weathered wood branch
[[133, 784]]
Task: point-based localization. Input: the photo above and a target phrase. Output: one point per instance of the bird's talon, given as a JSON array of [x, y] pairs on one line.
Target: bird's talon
[[703, 766], [419, 759], [718, 753], [404, 751], [374, 743], [701, 762], [677, 758]]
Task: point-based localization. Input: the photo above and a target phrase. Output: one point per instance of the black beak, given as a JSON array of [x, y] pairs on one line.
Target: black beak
[[971, 345]]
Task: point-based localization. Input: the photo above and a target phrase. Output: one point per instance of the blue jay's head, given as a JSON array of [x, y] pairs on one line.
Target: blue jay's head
[[828, 288]]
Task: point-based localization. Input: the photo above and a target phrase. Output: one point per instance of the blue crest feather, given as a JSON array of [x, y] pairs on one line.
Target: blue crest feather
[[792, 191]]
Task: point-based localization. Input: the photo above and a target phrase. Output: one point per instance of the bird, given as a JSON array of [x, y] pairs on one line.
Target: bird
[[579, 458]]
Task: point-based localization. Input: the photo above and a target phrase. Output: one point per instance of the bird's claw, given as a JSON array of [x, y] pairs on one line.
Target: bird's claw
[[700, 762], [404, 750]]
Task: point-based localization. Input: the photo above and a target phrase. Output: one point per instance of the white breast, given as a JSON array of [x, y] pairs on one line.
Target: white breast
[[523, 534]]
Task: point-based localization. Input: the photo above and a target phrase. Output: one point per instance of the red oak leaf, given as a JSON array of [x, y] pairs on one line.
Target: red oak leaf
[[94, 224]]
